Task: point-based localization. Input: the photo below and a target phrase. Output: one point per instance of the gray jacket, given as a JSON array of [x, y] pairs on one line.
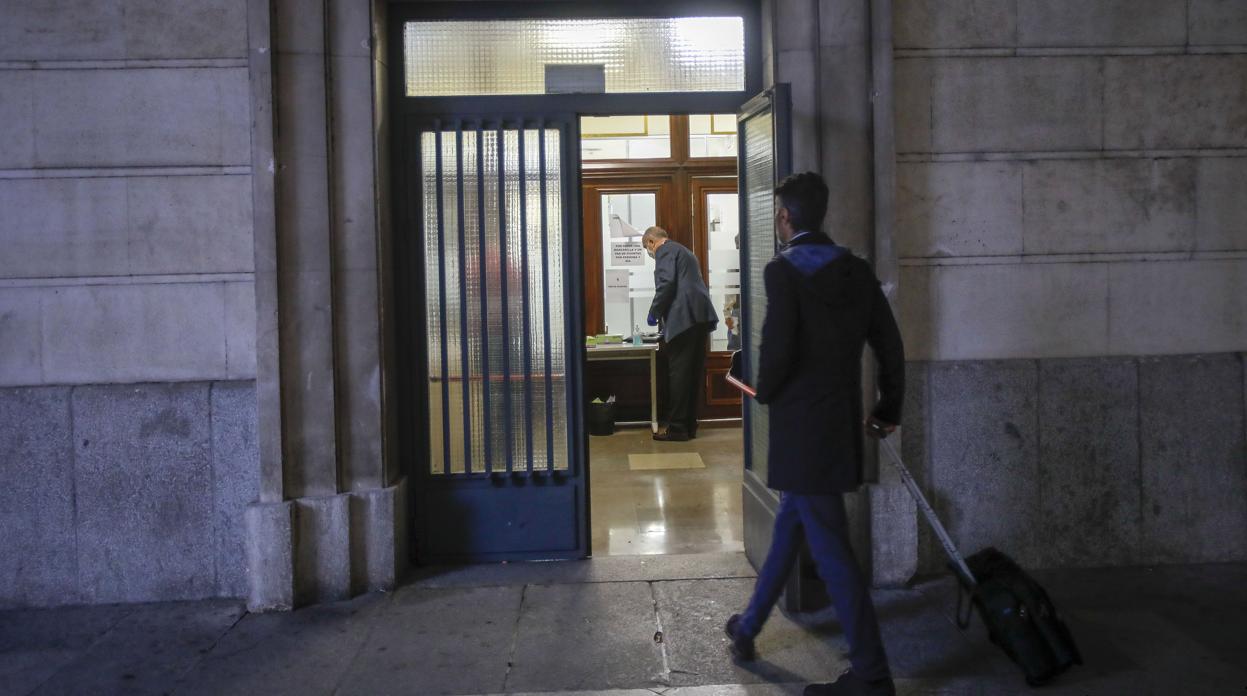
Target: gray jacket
[[681, 300]]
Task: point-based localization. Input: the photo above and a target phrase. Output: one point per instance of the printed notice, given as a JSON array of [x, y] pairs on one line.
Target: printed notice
[[616, 286], [627, 254]]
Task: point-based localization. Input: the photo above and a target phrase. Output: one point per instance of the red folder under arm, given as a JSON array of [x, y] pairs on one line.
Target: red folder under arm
[[735, 372]]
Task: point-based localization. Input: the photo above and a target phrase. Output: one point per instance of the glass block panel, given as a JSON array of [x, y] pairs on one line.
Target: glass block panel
[[557, 350], [760, 226], [495, 308], [432, 289], [625, 217], [452, 301], [712, 135], [723, 223], [517, 364], [535, 278], [625, 137], [470, 274], [493, 243], [636, 55]]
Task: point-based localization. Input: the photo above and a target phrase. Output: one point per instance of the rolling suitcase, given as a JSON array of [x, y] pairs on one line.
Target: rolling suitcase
[[1019, 616]]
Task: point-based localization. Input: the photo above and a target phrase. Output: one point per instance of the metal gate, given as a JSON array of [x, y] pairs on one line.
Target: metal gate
[[493, 201]]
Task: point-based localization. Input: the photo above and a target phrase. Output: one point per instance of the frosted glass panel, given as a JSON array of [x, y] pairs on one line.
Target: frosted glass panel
[[625, 217], [555, 346], [625, 137], [432, 288], [493, 243], [680, 54], [759, 176], [712, 135], [723, 232]]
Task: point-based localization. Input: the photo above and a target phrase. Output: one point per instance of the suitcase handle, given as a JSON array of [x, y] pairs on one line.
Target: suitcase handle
[[959, 563]]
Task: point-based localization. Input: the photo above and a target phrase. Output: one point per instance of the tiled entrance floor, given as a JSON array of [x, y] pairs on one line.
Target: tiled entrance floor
[[666, 510]]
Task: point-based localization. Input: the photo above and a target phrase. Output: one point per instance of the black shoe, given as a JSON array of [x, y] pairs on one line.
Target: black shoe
[[849, 684], [741, 646], [669, 436]]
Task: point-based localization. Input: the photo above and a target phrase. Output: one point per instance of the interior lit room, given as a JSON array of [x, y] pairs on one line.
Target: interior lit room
[[677, 172]]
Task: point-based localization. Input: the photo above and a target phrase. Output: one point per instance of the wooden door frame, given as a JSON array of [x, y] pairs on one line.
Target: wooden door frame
[[592, 190], [717, 361]]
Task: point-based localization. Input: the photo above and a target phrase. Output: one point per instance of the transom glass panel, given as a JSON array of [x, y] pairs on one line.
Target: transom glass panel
[[625, 137], [541, 56], [712, 135]]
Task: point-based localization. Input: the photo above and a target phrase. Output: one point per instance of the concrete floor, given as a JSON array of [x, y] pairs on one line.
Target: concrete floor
[[666, 510], [589, 627]]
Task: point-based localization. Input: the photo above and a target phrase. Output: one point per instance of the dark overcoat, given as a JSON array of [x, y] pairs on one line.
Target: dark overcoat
[[823, 306], [681, 299]]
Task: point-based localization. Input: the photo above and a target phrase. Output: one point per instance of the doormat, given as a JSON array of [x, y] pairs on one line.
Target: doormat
[[677, 460]]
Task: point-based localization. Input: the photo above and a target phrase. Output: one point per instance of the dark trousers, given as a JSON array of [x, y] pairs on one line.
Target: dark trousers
[[821, 521], [686, 375]]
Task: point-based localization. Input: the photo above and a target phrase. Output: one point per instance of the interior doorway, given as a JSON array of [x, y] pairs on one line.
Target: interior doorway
[[678, 172]]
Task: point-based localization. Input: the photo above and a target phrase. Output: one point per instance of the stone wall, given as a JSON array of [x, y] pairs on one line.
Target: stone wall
[[1083, 461], [125, 493], [126, 264], [1072, 238]]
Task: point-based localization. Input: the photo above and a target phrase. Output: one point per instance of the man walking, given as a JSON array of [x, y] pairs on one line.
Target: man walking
[[682, 304], [823, 306]]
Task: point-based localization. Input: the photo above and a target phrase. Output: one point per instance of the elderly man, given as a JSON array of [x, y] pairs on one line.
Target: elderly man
[[682, 304]]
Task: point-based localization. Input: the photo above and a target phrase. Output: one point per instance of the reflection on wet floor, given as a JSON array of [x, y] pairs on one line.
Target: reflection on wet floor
[[669, 510]]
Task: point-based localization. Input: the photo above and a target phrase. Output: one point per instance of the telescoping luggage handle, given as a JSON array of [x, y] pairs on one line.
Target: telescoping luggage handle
[[954, 555]]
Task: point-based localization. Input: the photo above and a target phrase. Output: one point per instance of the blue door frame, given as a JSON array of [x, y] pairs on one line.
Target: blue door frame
[[508, 509]]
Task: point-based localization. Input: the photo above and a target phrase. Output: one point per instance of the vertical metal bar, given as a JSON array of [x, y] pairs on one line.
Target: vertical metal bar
[[481, 264], [415, 381], [545, 294], [527, 342], [573, 313], [465, 390], [508, 431], [441, 298]]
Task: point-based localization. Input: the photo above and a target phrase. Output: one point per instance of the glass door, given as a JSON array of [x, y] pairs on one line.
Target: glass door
[[765, 158]]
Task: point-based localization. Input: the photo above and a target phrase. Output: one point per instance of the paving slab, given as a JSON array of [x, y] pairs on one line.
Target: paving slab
[[297, 653], [603, 569], [438, 641], [589, 636], [22, 671], [147, 651], [693, 614]]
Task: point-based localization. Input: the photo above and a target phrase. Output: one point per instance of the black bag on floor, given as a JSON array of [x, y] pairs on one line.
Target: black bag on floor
[[1016, 610], [1019, 617]]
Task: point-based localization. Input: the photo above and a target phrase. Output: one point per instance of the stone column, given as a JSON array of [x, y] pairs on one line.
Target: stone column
[[842, 114], [331, 519]]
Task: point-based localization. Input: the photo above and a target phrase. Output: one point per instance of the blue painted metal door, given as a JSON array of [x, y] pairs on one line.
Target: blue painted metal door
[[493, 210]]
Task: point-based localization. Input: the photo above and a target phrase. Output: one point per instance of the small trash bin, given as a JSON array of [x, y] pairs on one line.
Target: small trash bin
[[602, 417]]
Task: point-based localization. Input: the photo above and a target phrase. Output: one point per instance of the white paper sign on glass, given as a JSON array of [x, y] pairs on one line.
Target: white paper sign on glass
[[616, 286], [629, 253]]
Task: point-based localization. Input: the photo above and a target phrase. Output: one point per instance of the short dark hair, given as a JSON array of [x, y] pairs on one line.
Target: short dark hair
[[804, 196]]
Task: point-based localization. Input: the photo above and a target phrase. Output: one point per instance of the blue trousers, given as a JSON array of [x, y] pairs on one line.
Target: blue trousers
[[821, 521]]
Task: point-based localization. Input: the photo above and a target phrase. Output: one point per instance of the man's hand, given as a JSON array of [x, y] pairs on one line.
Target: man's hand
[[878, 429], [651, 320]]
